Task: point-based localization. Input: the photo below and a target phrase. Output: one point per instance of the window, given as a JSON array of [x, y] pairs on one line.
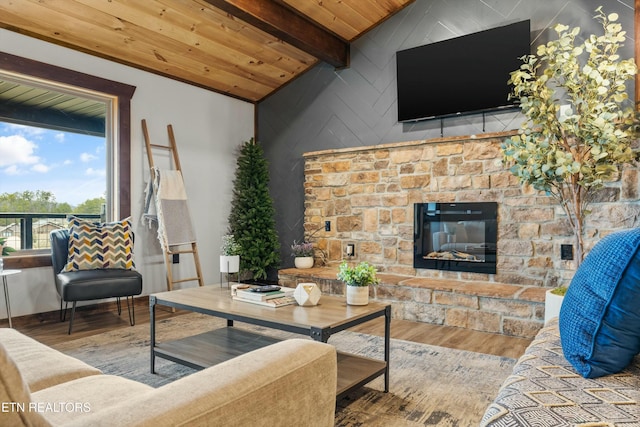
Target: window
[[86, 89], [53, 158]]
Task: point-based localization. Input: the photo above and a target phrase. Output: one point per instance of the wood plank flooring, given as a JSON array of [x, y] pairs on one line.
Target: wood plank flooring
[[449, 336], [92, 320]]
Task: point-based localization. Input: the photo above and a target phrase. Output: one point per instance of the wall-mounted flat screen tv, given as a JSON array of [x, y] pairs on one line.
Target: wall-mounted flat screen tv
[[463, 75]]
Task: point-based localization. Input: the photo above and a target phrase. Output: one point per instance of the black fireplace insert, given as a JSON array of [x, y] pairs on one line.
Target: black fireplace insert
[[456, 236]]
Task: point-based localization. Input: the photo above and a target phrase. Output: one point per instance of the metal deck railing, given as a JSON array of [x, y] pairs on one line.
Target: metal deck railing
[[25, 231]]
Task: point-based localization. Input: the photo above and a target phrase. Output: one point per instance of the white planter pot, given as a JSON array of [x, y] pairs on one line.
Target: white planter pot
[[552, 304], [229, 264], [303, 261], [357, 295]]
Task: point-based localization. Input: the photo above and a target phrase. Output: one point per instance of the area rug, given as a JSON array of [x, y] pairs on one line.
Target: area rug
[[429, 385]]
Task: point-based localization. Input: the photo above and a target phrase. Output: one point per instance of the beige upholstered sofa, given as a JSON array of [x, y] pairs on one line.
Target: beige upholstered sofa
[[292, 382]]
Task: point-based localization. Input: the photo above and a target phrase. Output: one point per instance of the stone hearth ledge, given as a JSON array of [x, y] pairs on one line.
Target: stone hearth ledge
[[515, 310]]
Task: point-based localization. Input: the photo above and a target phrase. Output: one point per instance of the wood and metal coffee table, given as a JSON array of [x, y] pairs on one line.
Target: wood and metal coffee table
[[319, 322]]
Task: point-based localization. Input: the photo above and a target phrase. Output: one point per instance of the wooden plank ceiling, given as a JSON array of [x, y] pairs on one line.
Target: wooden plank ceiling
[[243, 48]]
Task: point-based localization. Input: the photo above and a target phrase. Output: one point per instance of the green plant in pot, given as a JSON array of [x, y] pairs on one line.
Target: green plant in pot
[[571, 156], [358, 278], [230, 254], [303, 254], [229, 245], [560, 291], [304, 249]]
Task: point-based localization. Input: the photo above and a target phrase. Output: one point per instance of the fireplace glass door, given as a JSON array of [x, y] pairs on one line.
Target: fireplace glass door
[[456, 236]]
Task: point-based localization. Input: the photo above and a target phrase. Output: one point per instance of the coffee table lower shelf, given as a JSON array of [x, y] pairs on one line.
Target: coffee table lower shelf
[[213, 347]]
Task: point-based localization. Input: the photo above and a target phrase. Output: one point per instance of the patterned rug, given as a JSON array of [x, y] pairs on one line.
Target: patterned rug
[[429, 385]]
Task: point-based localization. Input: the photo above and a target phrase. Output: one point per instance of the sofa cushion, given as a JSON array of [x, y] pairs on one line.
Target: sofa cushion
[[86, 395], [95, 284], [14, 395], [94, 245], [290, 383], [42, 366], [599, 318]]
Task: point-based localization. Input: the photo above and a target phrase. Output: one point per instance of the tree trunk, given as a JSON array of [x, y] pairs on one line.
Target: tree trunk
[[579, 243], [578, 222]]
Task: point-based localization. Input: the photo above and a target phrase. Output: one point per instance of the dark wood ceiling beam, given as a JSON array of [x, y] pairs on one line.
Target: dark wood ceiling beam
[[280, 22]]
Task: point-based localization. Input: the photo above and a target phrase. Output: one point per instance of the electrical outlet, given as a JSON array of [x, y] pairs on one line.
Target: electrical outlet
[[351, 250], [176, 259], [327, 226], [566, 252]]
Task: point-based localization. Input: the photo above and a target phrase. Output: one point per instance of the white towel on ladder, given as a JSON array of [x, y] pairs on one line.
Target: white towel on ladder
[[172, 210]]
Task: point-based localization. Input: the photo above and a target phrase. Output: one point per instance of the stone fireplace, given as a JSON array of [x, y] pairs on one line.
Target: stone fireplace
[[368, 195]]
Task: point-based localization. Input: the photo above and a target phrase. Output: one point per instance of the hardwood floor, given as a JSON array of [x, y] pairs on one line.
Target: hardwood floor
[[449, 336], [92, 320], [89, 320]]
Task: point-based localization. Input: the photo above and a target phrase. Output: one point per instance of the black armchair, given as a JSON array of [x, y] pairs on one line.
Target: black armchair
[[90, 284]]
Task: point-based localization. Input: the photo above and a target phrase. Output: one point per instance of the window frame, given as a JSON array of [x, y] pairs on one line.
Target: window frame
[[123, 94]]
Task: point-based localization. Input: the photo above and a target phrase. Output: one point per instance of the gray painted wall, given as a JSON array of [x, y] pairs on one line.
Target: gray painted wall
[[327, 108]]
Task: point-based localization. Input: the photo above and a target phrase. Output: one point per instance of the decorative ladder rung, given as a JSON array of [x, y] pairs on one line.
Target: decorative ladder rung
[[191, 279], [185, 251]]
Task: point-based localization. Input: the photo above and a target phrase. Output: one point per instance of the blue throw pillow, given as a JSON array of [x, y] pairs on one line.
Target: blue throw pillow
[[599, 318]]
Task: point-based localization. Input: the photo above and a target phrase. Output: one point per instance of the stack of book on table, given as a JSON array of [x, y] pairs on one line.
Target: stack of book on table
[[283, 296]]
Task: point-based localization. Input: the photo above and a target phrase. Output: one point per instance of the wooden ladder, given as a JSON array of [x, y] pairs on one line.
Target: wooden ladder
[[168, 255]]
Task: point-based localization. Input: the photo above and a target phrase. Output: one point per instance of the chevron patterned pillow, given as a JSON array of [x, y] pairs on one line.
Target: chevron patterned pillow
[[95, 245]]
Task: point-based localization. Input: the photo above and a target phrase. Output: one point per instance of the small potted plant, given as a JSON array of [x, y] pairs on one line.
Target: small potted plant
[[358, 279], [303, 254], [229, 254]]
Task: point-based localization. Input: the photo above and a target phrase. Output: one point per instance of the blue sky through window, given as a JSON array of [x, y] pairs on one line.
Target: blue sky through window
[[71, 166]]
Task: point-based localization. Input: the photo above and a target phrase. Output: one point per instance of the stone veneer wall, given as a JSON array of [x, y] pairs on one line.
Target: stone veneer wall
[[368, 194]]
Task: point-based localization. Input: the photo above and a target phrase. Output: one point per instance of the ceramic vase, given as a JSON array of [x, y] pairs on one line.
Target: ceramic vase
[[303, 261], [357, 295]]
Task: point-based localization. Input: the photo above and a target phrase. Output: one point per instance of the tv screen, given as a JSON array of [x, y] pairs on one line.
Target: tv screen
[[466, 74]]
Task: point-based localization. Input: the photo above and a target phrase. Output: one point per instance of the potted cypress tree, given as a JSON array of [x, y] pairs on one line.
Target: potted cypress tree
[[252, 216], [229, 255]]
